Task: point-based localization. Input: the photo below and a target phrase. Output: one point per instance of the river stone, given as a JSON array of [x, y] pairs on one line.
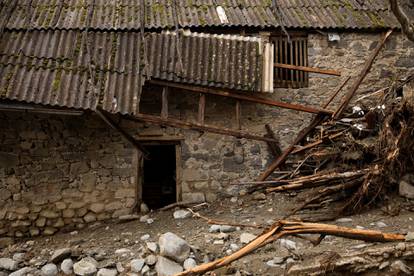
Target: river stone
[[151, 260], [181, 214], [23, 271], [246, 237], [60, 254], [86, 266], [107, 272], [173, 247], [189, 263], [166, 267], [137, 264], [67, 266], [8, 264], [49, 270]]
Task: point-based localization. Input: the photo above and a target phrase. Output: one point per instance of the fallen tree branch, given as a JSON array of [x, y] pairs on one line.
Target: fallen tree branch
[[288, 228], [222, 222]]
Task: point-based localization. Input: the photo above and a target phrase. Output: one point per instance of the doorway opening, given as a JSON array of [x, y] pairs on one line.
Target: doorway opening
[[159, 186]]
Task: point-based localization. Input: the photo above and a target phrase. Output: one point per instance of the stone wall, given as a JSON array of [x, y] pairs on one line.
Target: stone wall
[[63, 171]]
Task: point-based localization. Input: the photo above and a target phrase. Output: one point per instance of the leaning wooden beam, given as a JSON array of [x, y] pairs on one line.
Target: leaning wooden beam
[[361, 76], [302, 134], [248, 98], [196, 126], [128, 137], [308, 69], [287, 228]]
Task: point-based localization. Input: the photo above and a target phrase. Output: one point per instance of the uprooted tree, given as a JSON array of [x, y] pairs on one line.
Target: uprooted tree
[[406, 22]]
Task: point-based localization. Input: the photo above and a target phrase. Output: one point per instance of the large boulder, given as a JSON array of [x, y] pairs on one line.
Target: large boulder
[[166, 267], [173, 247]]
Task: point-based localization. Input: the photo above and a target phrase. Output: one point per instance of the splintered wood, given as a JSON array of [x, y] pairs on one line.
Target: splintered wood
[[287, 228]]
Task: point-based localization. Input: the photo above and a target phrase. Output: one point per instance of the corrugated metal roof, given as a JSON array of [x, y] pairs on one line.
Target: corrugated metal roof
[[53, 67], [126, 14]]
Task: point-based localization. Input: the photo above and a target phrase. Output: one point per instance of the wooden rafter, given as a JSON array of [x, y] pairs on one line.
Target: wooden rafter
[[243, 97], [196, 126], [307, 69]]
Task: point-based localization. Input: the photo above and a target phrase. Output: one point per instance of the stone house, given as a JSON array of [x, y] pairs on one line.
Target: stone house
[[97, 116]]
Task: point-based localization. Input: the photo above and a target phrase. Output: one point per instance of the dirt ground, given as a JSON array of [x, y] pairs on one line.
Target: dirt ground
[[105, 238]]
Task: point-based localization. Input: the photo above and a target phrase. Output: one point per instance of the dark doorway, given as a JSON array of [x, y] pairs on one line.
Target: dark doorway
[[159, 187]]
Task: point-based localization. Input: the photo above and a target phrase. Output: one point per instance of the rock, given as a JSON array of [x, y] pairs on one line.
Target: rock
[[165, 267], [399, 266], [49, 231], [5, 242], [275, 262], [181, 214], [144, 208], [49, 270], [86, 266], [150, 220], [107, 272], [151, 260], [405, 187], [97, 207], [288, 244], [152, 246], [60, 254], [222, 228], [144, 218], [218, 242], [234, 247], [23, 271], [119, 267], [49, 214], [344, 220], [123, 251], [18, 257], [89, 217], [8, 264], [380, 224], [409, 236], [173, 247], [67, 266], [247, 237], [189, 263], [128, 217], [145, 269], [259, 196], [145, 237], [136, 265]]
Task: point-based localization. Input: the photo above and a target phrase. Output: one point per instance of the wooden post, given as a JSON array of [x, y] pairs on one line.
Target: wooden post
[[164, 103], [201, 108], [238, 114]]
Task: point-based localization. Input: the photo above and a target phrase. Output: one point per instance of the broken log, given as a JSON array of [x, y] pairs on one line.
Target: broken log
[[286, 228]]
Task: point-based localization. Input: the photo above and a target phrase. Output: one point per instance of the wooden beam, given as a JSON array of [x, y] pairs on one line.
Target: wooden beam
[[195, 126], [164, 103], [128, 137], [238, 115], [243, 97], [201, 108], [361, 76], [307, 69]]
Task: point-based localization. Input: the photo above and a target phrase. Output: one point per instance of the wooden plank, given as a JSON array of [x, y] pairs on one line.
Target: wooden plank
[[201, 108], [307, 69], [128, 137], [361, 76], [238, 115], [195, 126], [164, 103], [244, 97]]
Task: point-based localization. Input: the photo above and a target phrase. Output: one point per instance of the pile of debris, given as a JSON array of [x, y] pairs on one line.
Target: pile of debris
[[353, 161]]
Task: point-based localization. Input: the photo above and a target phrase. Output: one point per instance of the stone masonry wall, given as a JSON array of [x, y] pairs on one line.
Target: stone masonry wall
[[61, 172]]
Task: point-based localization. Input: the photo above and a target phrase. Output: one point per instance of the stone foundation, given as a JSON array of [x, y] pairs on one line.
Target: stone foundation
[[62, 172]]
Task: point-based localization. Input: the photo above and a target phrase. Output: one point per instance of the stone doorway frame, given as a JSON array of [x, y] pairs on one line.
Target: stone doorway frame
[[155, 141]]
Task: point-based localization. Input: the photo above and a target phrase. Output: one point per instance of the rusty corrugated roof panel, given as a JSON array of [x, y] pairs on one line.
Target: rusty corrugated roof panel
[[53, 67], [126, 14]]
